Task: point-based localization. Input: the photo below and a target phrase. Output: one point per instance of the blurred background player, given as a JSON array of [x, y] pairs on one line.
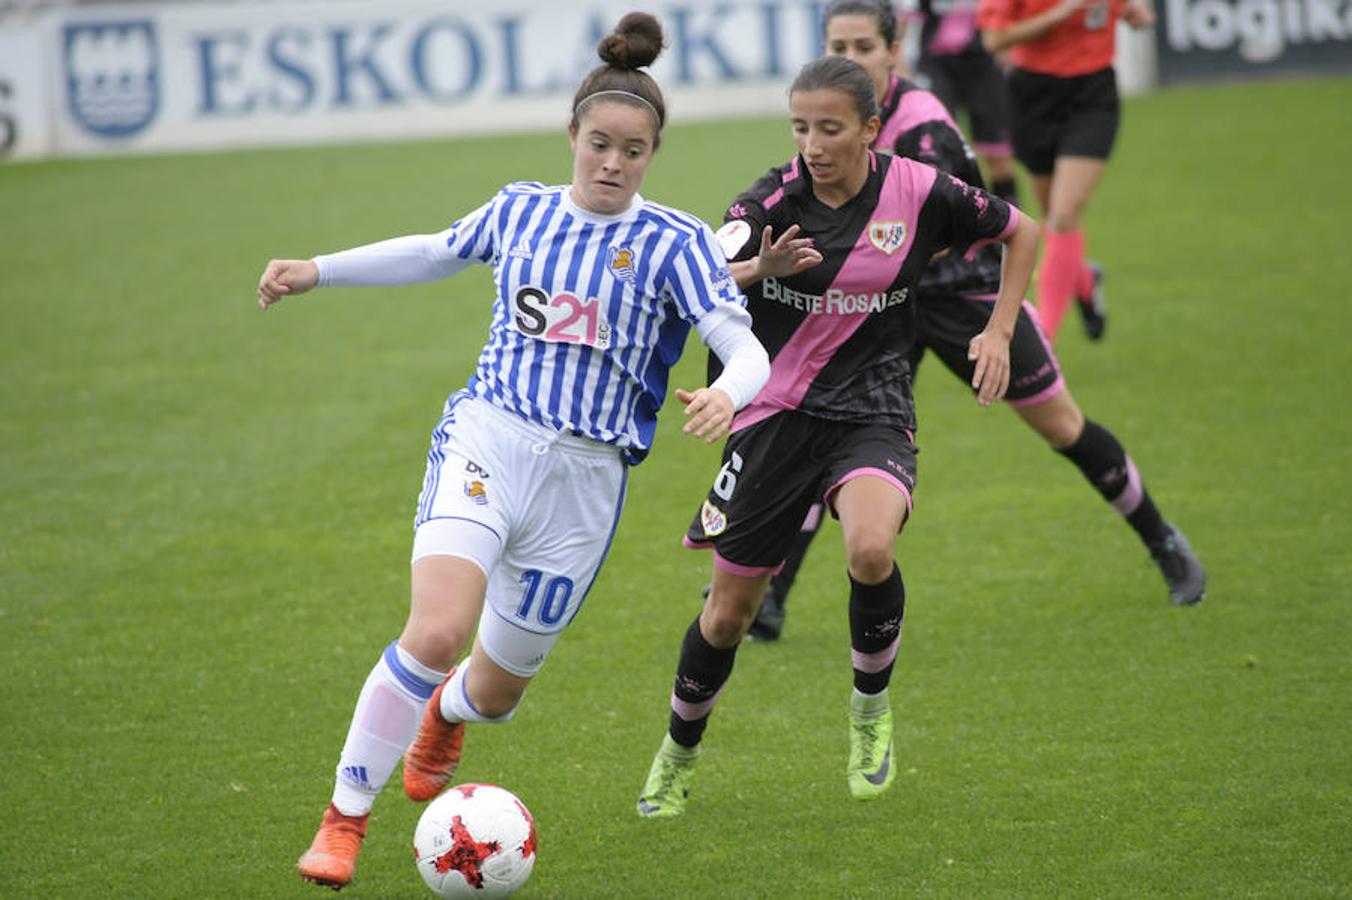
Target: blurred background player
[[829, 247], [1064, 116], [596, 291], [954, 65], [953, 301]]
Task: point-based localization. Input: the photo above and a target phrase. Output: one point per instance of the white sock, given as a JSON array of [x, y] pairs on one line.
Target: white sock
[[456, 705], [869, 706], [383, 725]]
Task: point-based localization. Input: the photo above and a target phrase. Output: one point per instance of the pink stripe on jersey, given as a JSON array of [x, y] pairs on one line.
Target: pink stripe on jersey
[[956, 30], [771, 201], [867, 271], [1130, 498], [871, 663], [916, 108]]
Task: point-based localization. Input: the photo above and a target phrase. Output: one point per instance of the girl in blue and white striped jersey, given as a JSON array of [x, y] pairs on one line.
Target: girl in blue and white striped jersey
[[597, 289]]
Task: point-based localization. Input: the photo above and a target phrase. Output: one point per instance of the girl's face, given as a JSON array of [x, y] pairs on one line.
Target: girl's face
[[612, 146], [857, 38], [833, 138]]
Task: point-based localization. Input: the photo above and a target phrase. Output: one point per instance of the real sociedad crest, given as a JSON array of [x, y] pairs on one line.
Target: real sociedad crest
[[621, 260], [887, 236], [112, 76]]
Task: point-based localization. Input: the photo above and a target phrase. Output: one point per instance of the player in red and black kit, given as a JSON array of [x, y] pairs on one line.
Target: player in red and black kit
[[953, 302], [955, 67], [1065, 114], [830, 248]]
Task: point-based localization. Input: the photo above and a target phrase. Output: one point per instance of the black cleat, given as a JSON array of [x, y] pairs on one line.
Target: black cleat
[[769, 621], [1181, 568], [1093, 309]]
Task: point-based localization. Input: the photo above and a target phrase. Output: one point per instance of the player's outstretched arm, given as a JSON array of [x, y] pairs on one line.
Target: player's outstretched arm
[[285, 277]]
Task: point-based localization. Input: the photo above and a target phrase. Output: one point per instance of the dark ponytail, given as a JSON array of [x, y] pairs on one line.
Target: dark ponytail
[[635, 43]]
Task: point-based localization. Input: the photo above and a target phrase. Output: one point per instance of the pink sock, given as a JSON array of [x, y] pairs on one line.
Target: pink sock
[[1056, 280]]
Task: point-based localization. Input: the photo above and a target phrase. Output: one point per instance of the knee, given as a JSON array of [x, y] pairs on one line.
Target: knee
[[870, 559], [1063, 430], [435, 642], [726, 618]]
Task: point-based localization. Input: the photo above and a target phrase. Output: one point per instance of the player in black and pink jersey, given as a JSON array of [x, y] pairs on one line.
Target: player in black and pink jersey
[[956, 68], [830, 248], [953, 302]]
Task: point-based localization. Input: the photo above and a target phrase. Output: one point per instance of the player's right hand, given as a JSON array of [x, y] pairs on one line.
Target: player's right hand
[[787, 256], [285, 277]]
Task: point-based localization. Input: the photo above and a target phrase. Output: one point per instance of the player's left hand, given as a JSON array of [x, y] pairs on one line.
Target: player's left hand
[[708, 413], [990, 379]]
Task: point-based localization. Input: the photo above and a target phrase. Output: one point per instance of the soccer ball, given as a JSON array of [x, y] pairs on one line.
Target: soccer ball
[[475, 840]]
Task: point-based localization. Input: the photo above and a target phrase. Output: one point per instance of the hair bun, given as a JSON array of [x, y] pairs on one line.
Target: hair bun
[[635, 42]]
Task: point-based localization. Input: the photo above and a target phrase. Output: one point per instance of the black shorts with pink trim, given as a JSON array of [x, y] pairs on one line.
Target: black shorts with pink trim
[[947, 325], [773, 471]]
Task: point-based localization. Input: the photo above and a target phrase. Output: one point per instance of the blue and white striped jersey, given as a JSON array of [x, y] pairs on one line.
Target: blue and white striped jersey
[[591, 311]]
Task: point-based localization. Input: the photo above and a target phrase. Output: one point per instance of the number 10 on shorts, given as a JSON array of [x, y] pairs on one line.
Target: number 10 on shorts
[[545, 599]]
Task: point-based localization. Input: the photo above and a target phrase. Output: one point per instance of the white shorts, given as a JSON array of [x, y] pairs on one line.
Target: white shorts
[[535, 509]]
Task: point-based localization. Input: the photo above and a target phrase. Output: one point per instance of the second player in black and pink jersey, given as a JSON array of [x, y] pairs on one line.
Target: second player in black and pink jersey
[[840, 334]]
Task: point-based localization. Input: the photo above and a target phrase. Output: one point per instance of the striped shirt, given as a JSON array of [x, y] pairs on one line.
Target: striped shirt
[[591, 311]]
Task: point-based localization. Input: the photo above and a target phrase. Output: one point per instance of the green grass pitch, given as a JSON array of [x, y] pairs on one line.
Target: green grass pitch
[[205, 521]]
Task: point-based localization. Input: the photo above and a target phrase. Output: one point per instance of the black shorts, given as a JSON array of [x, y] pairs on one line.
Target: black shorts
[[773, 471], [975, 83], [948, 324], [1053, 116]]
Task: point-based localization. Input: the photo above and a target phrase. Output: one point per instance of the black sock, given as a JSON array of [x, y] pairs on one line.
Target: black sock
[[1006, 190], [701, 673], [876, 612], [1105, 463], [782, 581]]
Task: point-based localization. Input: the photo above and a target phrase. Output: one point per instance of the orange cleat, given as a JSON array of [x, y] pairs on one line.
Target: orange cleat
[[429, 764], [332, 857]]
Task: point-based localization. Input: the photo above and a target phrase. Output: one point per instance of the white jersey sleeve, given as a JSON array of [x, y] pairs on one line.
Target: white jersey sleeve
[[414, 258]]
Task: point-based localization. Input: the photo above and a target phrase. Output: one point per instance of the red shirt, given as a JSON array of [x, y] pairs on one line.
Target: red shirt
[[1081, 44]]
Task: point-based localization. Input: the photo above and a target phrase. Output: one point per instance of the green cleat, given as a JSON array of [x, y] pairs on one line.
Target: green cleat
[[668, 784], [870, 771]]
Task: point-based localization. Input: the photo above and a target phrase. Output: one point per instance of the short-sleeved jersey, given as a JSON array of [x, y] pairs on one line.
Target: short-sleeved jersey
[[591, 311], [1081, 44], [840, 333], [917, 125]]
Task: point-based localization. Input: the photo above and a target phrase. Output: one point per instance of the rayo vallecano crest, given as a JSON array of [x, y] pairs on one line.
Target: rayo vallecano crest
[[887, 236], [112, 75]]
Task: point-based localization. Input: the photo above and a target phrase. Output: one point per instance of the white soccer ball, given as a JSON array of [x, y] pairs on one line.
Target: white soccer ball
[[475, 840]]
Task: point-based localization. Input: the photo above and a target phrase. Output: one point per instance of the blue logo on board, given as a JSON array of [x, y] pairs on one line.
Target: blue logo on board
[[112, 75]]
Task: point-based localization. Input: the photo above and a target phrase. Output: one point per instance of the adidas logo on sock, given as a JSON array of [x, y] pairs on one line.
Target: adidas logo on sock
[[356, 775]]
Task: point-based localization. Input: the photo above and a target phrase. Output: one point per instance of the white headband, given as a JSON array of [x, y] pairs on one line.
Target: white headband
[[627, 94]]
